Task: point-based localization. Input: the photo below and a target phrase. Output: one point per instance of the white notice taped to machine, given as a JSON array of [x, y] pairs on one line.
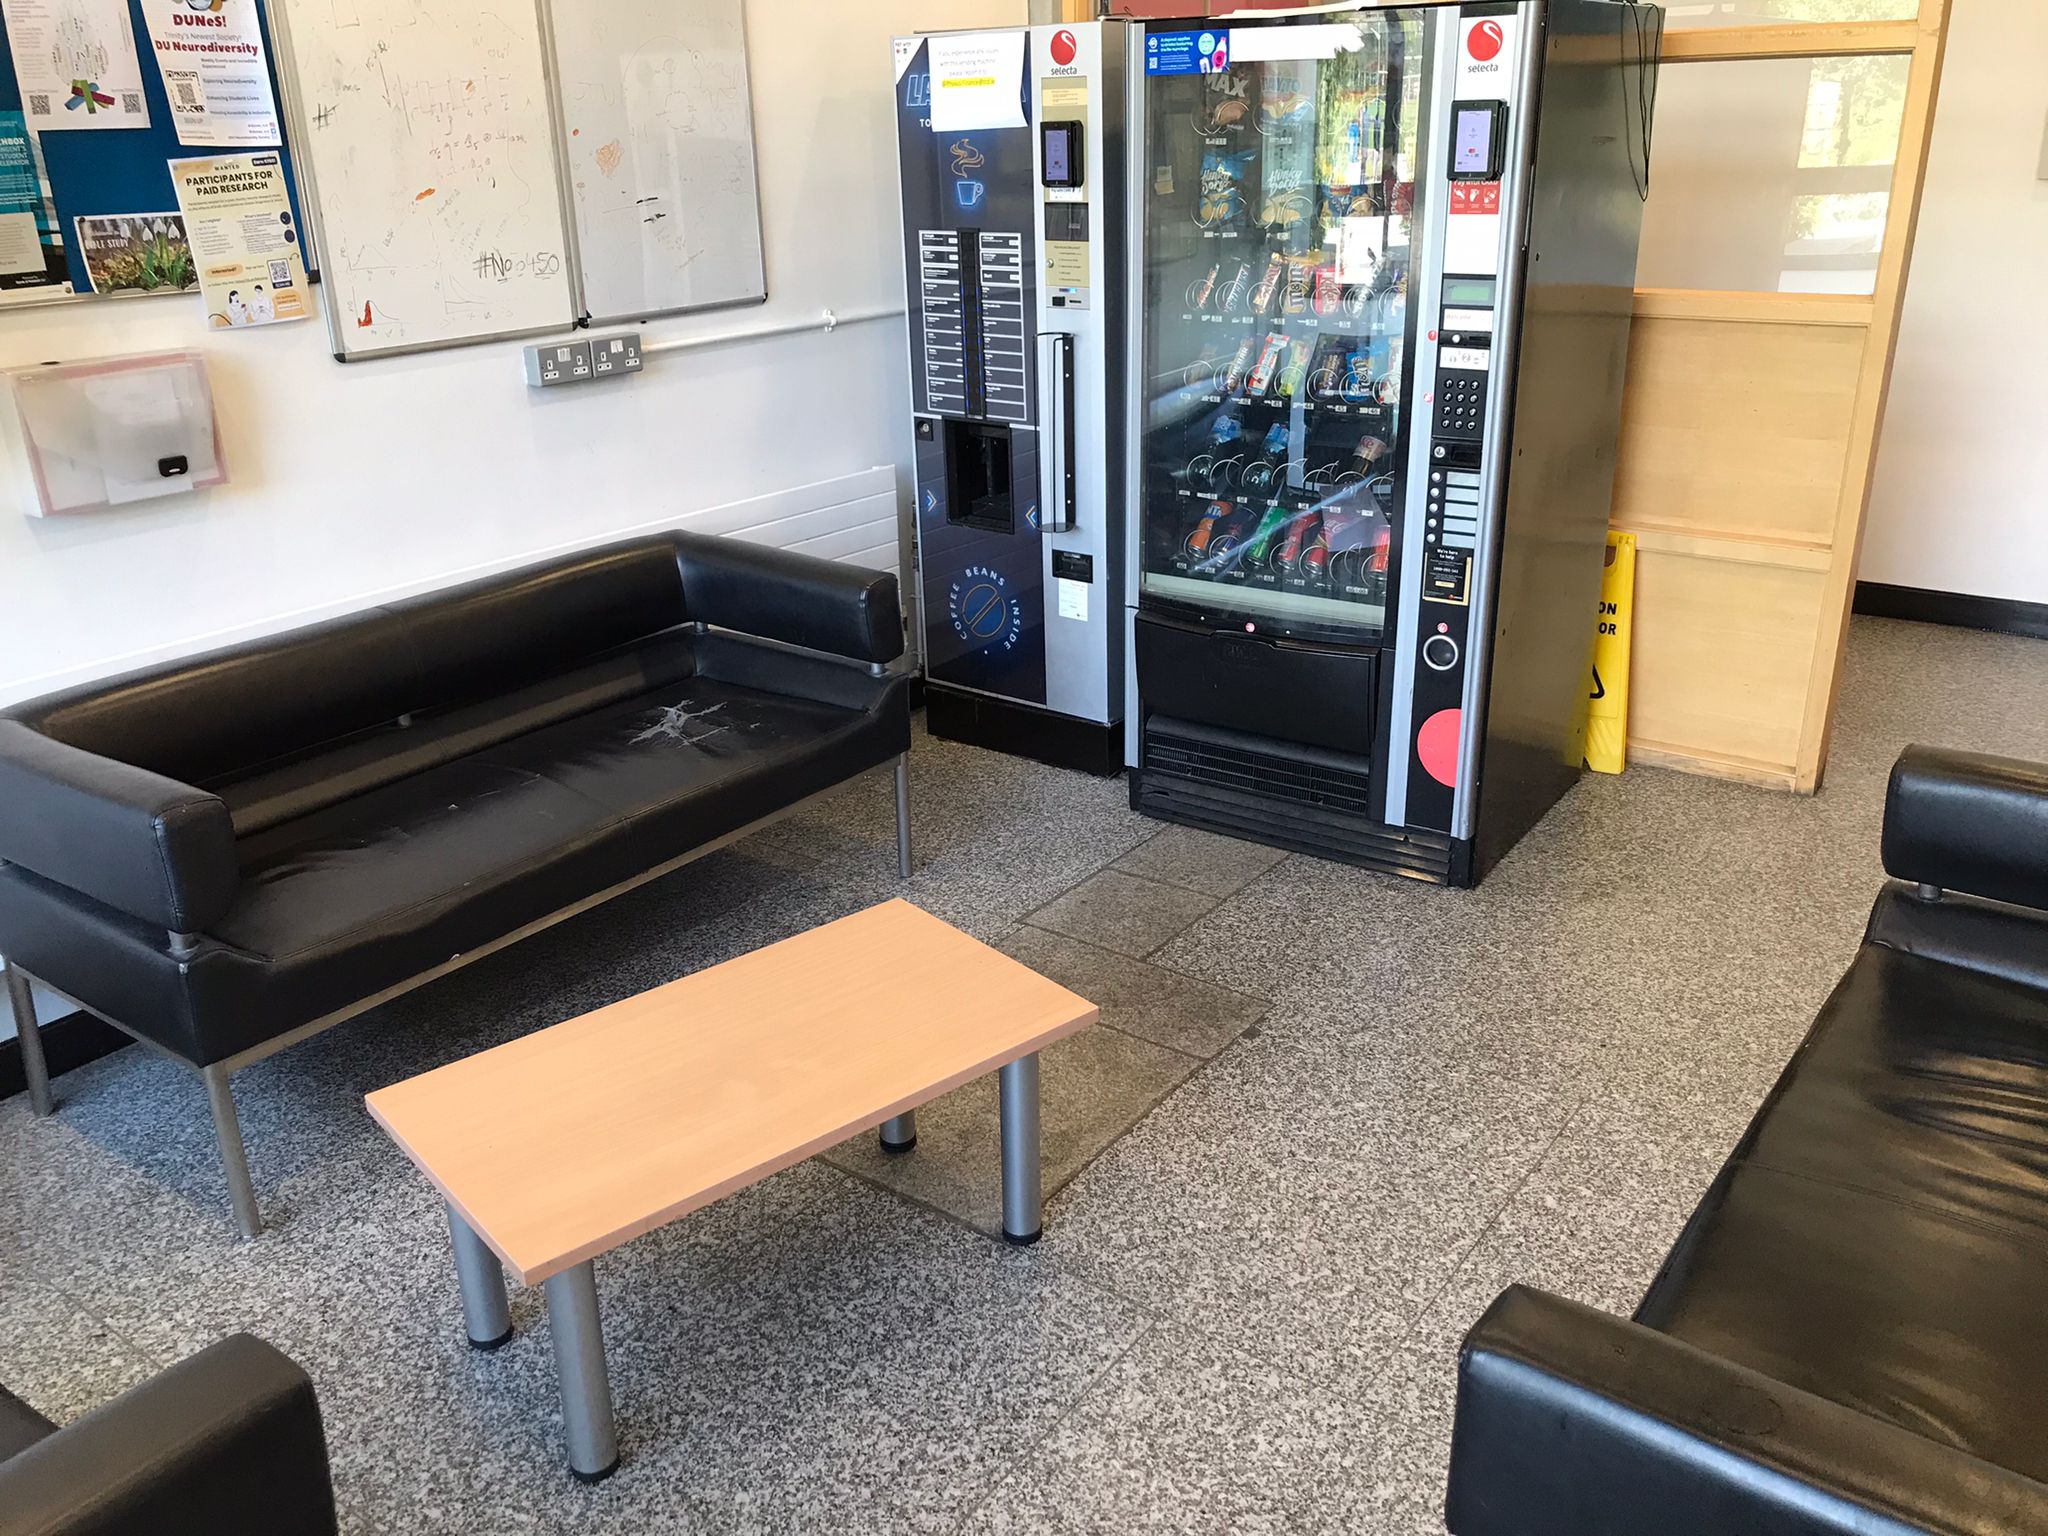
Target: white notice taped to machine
[[1073, 599], [214, 72], [977, 81]]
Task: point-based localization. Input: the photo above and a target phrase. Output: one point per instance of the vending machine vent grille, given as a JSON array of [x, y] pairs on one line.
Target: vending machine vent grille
[[1303, 799]]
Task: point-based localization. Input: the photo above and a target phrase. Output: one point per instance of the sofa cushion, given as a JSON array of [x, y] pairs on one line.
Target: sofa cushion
[[20, 1425], [237, 711], [504, 632], [370, 760], [365, 894], [1880, 1237], [213, 716]]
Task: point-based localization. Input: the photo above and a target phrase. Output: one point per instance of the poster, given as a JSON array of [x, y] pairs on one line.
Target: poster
[[244, 239], [31, 250], [211, 57], [76, 64], [977, 80], [136, 253]]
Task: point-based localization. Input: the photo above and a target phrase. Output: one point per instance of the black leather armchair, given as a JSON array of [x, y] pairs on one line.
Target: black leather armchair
[[226, 854], [1849, 1334], [228, 1443]]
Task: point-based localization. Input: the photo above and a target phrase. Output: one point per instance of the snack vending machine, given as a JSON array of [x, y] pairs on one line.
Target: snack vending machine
[[1384, 265], [1011, 146]]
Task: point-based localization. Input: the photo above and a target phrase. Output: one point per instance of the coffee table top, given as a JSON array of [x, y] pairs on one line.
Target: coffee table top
[[564, 1144]]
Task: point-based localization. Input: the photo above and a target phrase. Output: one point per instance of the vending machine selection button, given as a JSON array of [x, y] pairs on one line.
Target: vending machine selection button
[[1440, 653]]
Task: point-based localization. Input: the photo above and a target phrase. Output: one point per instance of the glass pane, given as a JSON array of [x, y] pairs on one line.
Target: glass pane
[[1682, 14], [1772, 175], [1276, 293]]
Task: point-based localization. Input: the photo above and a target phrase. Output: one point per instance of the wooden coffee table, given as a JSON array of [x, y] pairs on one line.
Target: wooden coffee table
[[561, 1146]]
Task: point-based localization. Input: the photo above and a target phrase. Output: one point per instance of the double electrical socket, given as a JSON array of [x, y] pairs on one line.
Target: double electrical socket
[[572, 362]]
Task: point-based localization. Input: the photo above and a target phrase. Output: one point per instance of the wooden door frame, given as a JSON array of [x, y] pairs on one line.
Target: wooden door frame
[[1922, 39]]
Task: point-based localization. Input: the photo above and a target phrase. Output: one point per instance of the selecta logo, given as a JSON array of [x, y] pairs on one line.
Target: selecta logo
[[1484, 41], [1064, 47]]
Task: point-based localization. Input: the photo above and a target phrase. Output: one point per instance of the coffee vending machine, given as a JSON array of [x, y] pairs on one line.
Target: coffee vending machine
[[1011, 149]]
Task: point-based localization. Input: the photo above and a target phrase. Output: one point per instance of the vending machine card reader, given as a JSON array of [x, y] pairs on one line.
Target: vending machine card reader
[[1014, 220]]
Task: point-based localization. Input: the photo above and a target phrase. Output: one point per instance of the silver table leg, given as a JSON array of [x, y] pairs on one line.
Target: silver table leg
[[486, 1313], [899, 1134], [234, 1161], [903, 815], [579, 1362], [33, 1067], [1019, 1091]]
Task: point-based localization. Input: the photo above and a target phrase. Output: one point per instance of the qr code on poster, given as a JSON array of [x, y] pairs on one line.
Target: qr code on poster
[[38, 105], [280, 274], [131, 102]]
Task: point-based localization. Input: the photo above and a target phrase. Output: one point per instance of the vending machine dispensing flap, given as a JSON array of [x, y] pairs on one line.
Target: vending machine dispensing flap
[[1056, 423]]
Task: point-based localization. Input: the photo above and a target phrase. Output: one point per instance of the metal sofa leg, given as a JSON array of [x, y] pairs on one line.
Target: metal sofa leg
[[34, 1067], [233, 1160], [903, 815]]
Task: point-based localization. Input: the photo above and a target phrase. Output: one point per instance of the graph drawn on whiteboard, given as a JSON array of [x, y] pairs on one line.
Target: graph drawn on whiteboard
[[425, 138], [658, 142]]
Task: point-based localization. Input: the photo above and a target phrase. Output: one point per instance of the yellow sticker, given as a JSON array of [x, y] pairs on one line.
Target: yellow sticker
[[1066, 263]]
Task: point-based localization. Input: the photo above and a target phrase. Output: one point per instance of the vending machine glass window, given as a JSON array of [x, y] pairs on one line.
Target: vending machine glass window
[[1279, 212]]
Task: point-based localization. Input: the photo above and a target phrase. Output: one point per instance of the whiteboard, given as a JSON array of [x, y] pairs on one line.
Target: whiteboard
[[658, 143], [423, 133]]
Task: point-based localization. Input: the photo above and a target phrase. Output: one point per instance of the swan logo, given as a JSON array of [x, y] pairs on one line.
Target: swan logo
[[1064, 47], [1485, 41]]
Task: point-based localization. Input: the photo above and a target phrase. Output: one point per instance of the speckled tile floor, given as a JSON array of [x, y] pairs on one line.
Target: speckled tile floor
[[1363, 1106]]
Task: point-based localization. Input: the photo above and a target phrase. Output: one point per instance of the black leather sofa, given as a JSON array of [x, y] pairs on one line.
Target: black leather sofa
[[1851, 1334], [227, 1443], [224, 855]]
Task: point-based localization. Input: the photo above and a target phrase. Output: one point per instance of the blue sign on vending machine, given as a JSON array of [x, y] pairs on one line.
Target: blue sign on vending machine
[[1187, 53]]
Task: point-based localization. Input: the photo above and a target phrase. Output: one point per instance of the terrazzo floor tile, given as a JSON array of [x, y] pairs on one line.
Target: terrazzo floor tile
[[1121, 912], [1182, 1434], [62, 1360], [870, 1373], [1093, 1087], [1292, 1200], [1261, 1285], [1148, 1001], [1201, 861]]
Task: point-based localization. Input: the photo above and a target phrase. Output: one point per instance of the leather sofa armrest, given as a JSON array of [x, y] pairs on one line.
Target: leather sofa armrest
[[227, 1443], [780, 594], [1574, 1423], [150, 846], [1966, 821]]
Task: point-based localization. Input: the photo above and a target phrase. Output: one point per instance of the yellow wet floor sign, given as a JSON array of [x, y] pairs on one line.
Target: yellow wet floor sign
[[1607, 725]]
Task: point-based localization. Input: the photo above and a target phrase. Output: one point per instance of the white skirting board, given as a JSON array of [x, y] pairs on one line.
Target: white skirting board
[[855, 518]]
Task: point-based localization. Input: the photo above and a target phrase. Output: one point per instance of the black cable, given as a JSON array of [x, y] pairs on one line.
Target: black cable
[[1649, 38]]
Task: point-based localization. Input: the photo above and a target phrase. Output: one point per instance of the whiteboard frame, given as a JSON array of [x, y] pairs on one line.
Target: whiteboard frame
[[553, 62], [315, 211]]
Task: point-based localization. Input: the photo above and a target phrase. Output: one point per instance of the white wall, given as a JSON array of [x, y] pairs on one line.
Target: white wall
[[1960, 498], [351, 483]]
